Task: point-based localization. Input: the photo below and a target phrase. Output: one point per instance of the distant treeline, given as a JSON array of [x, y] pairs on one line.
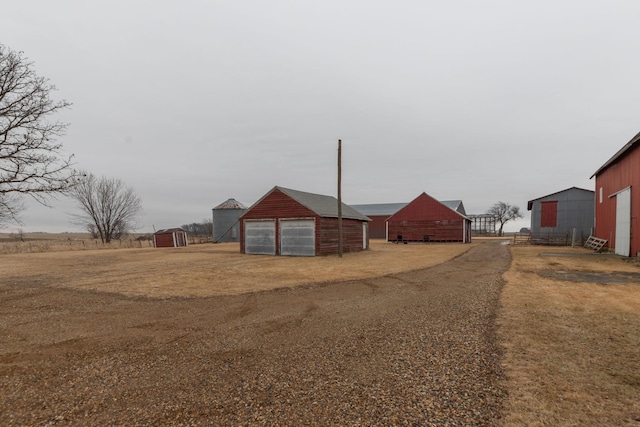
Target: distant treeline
[[204, 228]]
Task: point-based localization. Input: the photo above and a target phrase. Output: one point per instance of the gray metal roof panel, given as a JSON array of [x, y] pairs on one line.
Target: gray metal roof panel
[[325, 206], [456, 205], [231, 204], [379, 209]]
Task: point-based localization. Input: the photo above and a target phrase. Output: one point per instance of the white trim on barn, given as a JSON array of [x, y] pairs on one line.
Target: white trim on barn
[[364, 235], [623, 222]]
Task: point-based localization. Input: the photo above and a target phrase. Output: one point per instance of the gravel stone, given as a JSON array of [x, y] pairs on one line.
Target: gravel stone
[[410, 349]]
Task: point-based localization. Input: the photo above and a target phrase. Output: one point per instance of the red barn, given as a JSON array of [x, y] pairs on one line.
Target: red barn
[[291, 222], [378, 213], [618, 200], [427, 220], [170, 238]]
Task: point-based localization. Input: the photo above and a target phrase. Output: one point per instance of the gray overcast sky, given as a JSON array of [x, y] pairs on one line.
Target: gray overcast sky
[[193, 102]]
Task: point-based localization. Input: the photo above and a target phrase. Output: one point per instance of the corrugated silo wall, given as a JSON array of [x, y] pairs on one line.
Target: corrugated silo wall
[[226, 227]]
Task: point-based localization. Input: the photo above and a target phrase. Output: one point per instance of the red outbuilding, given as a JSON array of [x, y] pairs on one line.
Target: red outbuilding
[[378, 213], [296, 223], [427, 220], [170, 238], [618, 200]]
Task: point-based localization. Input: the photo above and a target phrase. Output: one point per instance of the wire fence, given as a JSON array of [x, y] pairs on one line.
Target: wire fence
[[17, 247]]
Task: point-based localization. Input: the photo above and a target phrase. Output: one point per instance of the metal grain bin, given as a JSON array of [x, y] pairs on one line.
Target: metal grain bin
[[226, 227]]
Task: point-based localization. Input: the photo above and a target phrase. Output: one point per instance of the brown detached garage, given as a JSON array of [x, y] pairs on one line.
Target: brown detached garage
[[296, 223]]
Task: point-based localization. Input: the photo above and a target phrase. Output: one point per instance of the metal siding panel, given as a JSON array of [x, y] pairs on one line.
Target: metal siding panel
[[260, 237], [297, 237], [575, 210]]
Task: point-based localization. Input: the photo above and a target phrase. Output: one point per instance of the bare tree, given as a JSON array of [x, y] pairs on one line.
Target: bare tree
[[204, 228], [10, 208], [207, 224], [108, 207], [31, 162], [504, 212]]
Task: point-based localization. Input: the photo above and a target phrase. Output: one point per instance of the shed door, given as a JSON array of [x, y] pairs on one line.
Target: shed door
[[298, 237], [623, 222], [549, 214], [260, 237]]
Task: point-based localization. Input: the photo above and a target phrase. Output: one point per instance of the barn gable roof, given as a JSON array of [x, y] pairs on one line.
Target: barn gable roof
[[381, 209], [424, 199], [530, 202], [324, 206], [621, 153]]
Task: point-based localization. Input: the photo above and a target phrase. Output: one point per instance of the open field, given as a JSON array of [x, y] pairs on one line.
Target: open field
[[203, 333]]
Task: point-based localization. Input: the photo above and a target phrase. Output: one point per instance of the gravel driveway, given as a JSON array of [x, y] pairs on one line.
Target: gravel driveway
[[415, 348]]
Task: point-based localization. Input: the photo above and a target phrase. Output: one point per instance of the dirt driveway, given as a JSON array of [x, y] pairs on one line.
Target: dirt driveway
[[415, 348]]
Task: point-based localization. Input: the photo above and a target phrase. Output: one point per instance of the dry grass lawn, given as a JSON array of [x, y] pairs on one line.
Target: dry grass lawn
[[572, 348], [208, 270]]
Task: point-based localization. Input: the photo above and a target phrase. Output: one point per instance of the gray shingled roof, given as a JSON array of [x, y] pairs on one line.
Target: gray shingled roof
[[325, 206]]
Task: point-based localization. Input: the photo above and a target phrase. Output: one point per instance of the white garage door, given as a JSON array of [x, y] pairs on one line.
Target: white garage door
[[298, 237], [623, 222], [260, 237]]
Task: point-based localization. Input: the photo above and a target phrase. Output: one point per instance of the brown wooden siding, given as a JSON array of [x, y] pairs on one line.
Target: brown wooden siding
[[427, 231], [165, 240], [427, 220], [328, 238], [425, 207], [378, 226]]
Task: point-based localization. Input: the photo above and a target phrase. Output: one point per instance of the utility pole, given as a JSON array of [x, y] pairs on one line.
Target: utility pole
[[340, 198]]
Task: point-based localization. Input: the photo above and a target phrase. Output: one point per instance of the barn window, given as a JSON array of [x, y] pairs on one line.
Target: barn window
[[549, 214]]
